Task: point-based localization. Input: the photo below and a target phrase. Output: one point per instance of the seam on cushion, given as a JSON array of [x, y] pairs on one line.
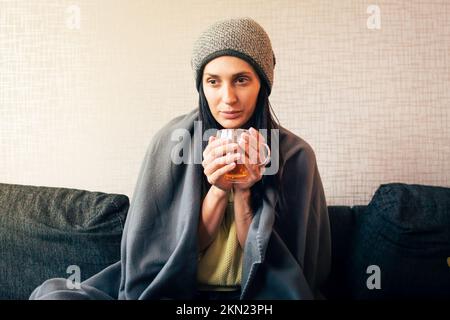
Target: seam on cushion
[[122, 224], [98, 211], [44, 227]]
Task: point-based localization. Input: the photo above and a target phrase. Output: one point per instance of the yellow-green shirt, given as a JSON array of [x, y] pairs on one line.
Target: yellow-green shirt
[[220, 265]]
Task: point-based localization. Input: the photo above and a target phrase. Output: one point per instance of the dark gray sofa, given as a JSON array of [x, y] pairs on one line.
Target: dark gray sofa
[[45, 230]]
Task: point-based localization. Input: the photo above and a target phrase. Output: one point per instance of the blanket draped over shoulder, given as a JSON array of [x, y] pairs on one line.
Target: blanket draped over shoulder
[[287, 251]]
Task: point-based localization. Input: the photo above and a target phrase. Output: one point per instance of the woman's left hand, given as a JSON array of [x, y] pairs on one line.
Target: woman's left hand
[[252, 144]]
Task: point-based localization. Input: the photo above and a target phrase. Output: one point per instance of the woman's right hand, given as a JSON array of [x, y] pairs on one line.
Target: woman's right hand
[[219, 158]]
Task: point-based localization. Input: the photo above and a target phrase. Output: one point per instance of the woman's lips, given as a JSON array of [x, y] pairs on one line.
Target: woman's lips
[[231, 115]]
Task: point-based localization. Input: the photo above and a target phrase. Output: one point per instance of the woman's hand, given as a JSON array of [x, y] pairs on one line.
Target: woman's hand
[[252, 144], [219, 158]]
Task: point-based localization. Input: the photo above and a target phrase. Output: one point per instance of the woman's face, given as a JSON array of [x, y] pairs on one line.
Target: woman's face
[[231, 87]]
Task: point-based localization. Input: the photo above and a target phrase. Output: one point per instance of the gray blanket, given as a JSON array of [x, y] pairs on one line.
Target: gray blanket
[[287, 251]]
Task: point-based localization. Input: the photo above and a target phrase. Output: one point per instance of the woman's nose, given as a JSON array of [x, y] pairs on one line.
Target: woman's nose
[[228, 94]]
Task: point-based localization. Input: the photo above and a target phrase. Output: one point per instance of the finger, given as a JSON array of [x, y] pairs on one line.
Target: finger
[[217, 163], [254, 170], [220, 172], [252, 150], [255, 133], [221, 151], [257, 145], [213, 142]]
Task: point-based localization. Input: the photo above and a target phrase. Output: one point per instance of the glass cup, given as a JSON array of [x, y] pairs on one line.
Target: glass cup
[[240, 173]]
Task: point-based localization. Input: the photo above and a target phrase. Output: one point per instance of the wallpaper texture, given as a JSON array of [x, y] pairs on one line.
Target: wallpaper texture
[[84, 85]]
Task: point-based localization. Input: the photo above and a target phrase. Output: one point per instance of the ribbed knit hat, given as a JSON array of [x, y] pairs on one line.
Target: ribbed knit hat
[[239, 37]]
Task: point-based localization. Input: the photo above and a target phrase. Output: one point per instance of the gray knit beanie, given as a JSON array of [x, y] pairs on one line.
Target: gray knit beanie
[[240, 37]]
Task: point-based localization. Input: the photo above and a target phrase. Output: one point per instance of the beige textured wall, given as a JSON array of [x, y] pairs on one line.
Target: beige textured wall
[[81, 99]]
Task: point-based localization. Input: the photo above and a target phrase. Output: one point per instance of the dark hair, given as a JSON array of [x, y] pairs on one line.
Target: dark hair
[[263, 118]]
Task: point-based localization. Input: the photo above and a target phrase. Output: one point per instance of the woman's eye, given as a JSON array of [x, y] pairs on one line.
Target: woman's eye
[[212, 82], [242, 80]]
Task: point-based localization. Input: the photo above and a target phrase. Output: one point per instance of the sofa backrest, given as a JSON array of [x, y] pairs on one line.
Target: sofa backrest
[[400, 247], [343, 222], [50, 232]]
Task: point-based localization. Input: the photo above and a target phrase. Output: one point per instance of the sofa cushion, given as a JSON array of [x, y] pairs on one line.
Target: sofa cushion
[[45, 230], [405, 231], [342, 225]]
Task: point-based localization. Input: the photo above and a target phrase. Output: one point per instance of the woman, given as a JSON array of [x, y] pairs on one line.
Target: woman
[[190, 233]]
